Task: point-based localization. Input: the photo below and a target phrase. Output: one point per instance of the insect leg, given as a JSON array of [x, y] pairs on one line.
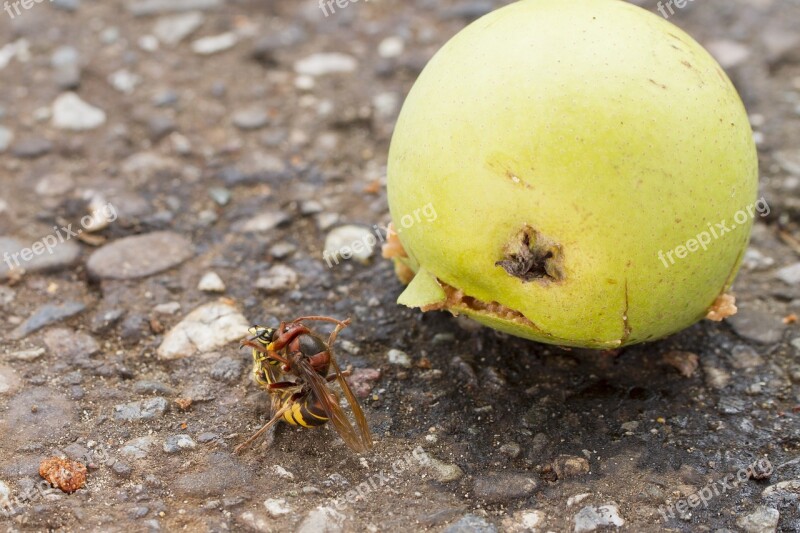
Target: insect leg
[[264, 428]]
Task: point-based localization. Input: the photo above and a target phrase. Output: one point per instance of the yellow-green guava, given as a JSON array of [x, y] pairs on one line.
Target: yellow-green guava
[[570, 150]]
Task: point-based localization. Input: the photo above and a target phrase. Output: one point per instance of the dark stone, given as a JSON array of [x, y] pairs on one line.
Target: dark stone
[[46, 315]]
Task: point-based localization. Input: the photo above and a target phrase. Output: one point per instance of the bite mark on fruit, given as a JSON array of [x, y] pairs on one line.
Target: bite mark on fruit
[[393, 248], [457, 299], [723, 307], [530, 256]]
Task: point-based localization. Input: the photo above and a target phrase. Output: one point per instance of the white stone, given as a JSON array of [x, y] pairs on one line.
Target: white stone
[[261, 223], [762, 520], [282, 473], [578, 498], [391, 47], [321, 519], [399, 358], [790, 274], [19, 49], [755, 260], [54, 185], [6, 138], [530, 520], [173, 29], [326, 63], [9, 381], [386, 104], [207, 328], [350, 241], [304, 83], [277, 507], [784, 488], [215, 44], [72, 113], [211, 282], [279, 277], [148, 43], [137, 448], [169, 308], [124, 81], [30, 354], [592, 518], [255, 522], [179, 442]]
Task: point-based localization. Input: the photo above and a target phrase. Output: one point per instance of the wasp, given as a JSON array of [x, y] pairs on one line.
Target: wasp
[[293, 364]]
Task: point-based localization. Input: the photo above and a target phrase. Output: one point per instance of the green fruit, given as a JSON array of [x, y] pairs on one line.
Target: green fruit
[[563, 144]]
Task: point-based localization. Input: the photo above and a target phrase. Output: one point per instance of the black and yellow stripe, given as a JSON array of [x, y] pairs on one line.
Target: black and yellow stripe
[[306, 413]]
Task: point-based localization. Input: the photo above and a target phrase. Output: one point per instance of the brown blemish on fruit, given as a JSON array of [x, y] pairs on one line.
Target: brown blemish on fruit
[[515, 179], [626, 326], [507, 167], [654, 82], [530, 256]]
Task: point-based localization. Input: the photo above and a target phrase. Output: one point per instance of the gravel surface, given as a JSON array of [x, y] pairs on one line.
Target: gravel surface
[[189, 162]]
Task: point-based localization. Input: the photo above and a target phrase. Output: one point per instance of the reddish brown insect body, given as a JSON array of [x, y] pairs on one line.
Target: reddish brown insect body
[[292, 363]]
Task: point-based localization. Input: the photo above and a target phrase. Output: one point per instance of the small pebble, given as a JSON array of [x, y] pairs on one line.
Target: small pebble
[[399, 358], [215, 44], [174, 29], [322, 64], [762, 520], [277, 507], [72, 113], [208, 327], [141, 410], [177, 443], [593, 518], [211, 282], [277, 278]]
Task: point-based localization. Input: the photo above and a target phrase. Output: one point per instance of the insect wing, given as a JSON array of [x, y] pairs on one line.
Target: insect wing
[[327, 400], [361, 420]]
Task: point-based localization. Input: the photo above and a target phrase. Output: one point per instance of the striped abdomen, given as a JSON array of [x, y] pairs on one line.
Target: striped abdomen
[[306, 412]]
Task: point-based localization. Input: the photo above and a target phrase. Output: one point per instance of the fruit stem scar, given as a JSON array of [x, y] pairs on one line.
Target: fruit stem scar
[[530, 256]]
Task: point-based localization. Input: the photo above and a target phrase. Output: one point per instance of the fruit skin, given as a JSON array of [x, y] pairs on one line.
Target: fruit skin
[[603, 127]]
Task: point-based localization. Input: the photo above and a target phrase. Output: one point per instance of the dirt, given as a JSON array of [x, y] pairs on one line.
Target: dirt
[[254, 164]]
